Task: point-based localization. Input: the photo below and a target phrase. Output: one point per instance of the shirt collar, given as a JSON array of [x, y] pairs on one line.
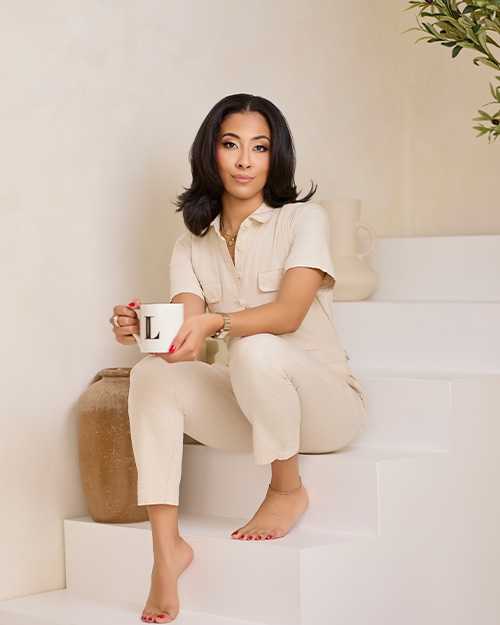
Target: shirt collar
[[262, 214]]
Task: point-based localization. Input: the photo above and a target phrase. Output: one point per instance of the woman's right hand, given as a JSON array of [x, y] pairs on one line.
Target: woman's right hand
[[126, 318]]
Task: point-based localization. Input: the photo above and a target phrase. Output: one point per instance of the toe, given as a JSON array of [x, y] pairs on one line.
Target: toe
[[275, 533], [237, 533]]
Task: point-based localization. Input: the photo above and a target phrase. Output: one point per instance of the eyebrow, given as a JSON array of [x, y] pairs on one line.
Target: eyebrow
[[231, 134]]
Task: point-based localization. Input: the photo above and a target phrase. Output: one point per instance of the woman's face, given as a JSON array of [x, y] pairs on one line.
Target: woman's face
[[243, 155]]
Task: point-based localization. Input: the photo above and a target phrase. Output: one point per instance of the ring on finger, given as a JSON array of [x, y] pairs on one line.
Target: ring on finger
[[115, 321]]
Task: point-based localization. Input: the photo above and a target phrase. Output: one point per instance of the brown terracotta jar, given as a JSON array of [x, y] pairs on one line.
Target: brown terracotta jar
[[107, 466]]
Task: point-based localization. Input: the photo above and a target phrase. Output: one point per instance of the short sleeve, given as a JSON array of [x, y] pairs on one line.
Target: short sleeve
[[182, 276], [310, 233]]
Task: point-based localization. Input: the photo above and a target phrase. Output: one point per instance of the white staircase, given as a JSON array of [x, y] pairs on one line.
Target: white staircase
[[402, 526]]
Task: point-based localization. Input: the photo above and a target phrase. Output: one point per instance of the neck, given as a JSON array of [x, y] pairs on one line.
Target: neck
[[234, 212]]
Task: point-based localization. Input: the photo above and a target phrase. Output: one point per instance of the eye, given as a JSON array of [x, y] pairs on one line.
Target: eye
[[261, 148], [229, 144]]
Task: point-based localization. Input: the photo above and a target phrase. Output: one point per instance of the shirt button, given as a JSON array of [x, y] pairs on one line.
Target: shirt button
[[239, 274], [240, 247], [241, 302], [247, 224]]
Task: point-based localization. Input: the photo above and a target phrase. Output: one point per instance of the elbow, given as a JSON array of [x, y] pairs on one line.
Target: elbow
[[294, 327], [293, 324], [288, 320]]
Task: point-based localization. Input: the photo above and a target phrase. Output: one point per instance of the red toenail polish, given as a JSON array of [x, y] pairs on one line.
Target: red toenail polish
[[259, 537], [250, 538], [132, 305], [269, 536], [242, 537], [234, 533]]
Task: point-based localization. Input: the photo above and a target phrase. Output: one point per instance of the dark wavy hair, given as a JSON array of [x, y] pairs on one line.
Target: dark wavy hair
[[201, 202]]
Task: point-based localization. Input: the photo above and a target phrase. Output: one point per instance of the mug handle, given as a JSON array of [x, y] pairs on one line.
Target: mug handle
[[137, 336], [362, 226]]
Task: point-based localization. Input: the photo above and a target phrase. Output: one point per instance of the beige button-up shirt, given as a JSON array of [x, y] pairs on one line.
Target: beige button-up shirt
[[270, 241]]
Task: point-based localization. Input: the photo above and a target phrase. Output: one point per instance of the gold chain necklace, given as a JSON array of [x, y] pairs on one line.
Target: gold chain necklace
[[230, 238]]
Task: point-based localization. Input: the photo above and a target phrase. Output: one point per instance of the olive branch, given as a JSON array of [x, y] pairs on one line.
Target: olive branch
[[458, 24]]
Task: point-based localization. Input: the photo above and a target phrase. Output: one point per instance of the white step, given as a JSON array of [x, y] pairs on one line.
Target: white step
[[247, 580], [420, 336], [64, 607], [342, 487], [409, 411], [463, 268]]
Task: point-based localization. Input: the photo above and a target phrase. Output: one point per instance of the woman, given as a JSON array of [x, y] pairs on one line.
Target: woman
[[255, 267]]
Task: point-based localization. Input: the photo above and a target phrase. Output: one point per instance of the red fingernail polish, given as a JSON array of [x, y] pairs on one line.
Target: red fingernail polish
[[172, 349], [132, 304]]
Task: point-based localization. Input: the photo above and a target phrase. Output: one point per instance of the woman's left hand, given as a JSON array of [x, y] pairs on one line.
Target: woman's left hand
[[195, 329]]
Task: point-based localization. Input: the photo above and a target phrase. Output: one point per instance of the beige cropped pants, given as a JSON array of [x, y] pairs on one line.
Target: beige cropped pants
[[273, 398]]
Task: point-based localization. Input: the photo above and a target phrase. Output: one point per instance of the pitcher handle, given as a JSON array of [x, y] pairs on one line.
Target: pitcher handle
[[361, 225]]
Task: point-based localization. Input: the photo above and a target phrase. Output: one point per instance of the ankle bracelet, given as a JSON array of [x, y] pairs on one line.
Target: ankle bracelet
[[286, 492]]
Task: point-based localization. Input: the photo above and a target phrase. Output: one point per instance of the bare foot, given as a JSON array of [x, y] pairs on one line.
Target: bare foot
[[163, 602], [275, 517]]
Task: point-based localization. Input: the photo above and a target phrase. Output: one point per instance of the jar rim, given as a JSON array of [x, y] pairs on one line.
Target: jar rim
[[116, 372]]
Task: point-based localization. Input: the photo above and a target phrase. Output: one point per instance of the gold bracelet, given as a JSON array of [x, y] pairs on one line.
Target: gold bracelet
[[287, 492], [221, 333]]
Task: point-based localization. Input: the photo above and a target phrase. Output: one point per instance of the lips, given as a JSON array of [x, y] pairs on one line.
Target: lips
[[242, 179]]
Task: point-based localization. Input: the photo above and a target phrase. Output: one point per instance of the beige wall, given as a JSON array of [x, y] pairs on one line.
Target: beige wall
[[100, 102], [451, 177]]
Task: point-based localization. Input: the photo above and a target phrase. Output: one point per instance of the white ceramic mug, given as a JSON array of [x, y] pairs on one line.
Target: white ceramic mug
[[158, 326]]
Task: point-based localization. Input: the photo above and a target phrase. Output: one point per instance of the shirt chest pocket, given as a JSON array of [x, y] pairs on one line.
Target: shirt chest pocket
[[269, 283], [212, 292]]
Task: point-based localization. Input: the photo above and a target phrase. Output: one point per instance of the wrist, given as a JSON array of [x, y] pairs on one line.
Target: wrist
[[224, 329], [214, 322]]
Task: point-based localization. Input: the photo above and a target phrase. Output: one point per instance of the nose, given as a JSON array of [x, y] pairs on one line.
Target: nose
[[243, 161]]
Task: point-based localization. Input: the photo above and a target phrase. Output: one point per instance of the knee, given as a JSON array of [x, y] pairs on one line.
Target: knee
[[143, 374], [256, 356]]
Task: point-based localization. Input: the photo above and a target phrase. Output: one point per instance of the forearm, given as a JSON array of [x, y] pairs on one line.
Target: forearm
[[275, 318]]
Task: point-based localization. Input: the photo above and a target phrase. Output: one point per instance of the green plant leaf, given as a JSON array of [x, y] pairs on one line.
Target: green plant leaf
[[486, 61], [482, 38], [456, 50], [484, 115]]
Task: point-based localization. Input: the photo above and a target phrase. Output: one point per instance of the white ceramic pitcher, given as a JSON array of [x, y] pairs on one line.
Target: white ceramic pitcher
[[355, 279]]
